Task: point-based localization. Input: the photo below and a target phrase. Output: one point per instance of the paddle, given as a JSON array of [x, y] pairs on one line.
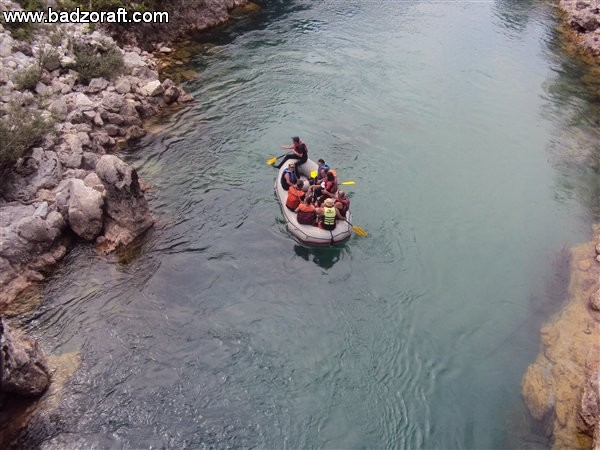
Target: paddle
[[358, 230], [345, 183], [272, 160]]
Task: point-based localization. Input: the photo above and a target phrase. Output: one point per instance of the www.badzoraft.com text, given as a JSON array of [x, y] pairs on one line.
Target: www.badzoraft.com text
[[121, 15]]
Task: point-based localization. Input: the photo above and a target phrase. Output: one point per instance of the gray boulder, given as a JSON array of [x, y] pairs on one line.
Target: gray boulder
[[71, 151], [171, 95], [59, 108], [112, 102], [85, 210], [132, 60], [83, 102], [127, 212], [46, 176], [152, 88], [89, 160], [122, 85], [24, 365], [96, 85], [34, 229]]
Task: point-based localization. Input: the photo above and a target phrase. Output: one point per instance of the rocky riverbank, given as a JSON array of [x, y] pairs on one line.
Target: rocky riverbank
[[583, 19], [562, 387], [69, 184], [70, 98]]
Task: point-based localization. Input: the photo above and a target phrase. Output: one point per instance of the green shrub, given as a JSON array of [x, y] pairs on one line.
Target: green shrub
[[28, 77], [56, 37], [92, 62], [49, 59], [20, 129]]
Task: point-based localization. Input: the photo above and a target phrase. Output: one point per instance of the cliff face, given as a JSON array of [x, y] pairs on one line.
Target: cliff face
[[561, 388]]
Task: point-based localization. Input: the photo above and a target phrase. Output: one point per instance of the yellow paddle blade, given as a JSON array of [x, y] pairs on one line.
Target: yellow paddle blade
[[348, 182], [271, 161], [359, 231], [313, 174]]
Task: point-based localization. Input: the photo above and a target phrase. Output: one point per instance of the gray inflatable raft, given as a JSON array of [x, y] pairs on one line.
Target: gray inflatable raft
[[309, 234]]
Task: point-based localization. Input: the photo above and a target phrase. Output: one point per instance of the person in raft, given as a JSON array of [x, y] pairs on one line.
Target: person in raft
[[328, 215], [289, 177], [327, 188], [342, 202], [322, 170], [306, 211], [295, 195], [299, 152]]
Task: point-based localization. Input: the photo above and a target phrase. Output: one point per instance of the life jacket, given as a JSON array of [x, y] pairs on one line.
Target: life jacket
[[324, 167], [294, 197], [306, 214], [302, 148], [331, 186], [345, 205], [329, 218], [293, 178]]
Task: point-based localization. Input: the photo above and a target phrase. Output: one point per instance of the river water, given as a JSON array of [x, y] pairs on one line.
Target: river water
[[470, 135]]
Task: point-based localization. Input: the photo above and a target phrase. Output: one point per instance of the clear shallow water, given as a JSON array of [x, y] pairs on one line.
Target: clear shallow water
[[469, 134]]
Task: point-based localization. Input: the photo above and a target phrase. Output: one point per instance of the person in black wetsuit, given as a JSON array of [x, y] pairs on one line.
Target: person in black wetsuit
[[299, 152]]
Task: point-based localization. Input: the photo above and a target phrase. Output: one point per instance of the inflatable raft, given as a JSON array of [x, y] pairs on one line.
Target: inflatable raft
[[309, 234]]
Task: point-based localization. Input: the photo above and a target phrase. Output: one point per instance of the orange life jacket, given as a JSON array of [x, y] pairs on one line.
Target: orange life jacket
[[294, 197]]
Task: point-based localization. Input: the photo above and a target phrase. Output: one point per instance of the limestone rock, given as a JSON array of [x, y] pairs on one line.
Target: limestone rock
[[42, 210], [71, 151], [46, 176], [145, 73], [42, 89], [127, 212], [59, 108], [6, 45], [34, 229], [111, 130], [115, 119], [102, 139], [132, 60], [96, 85], [122, 85], [24, 366], [112, 102], [152, 88], [595, 300], [135, 132], [590, 405], [89, 160], [171, 95], [83, 102], [92, 180], [85, 210]]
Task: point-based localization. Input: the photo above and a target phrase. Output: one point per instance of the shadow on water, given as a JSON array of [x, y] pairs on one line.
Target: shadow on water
[[324, 257]]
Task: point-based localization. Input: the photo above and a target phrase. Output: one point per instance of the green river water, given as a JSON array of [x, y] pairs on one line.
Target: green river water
[[470, 134]]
